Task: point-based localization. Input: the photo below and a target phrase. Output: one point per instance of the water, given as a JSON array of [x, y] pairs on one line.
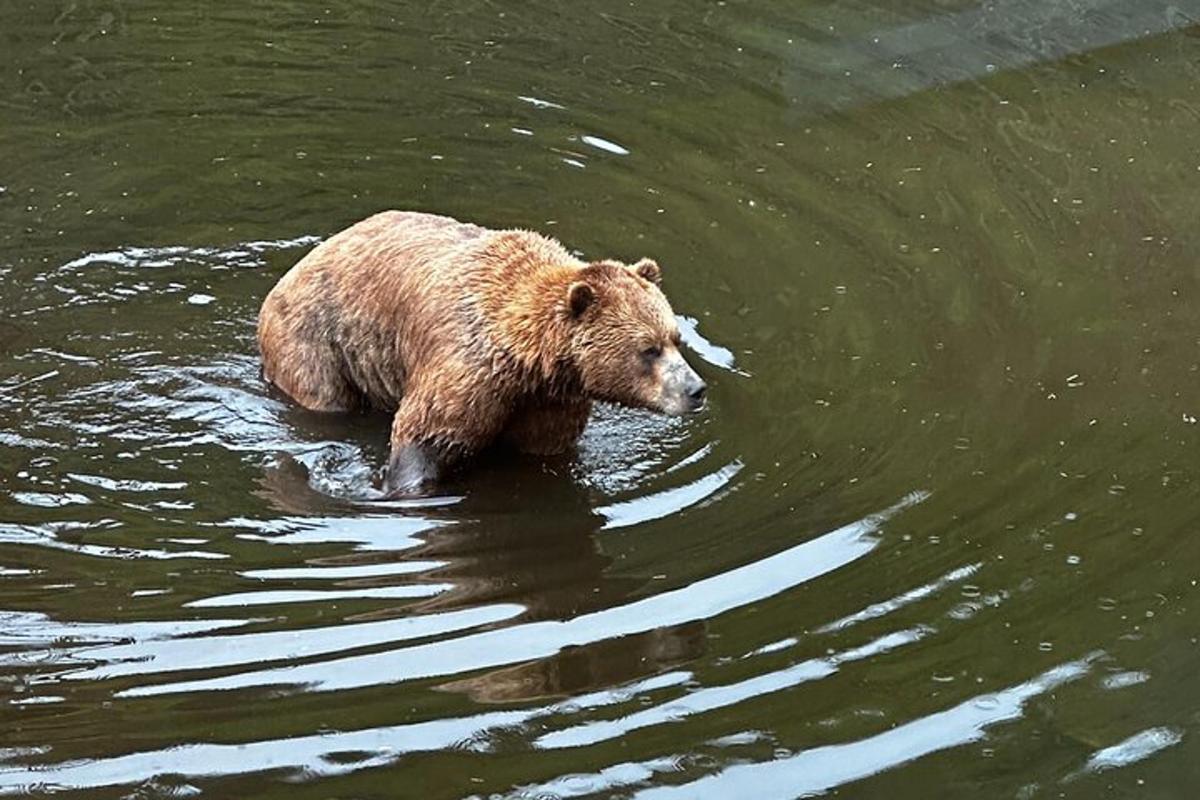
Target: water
[[934, 537]]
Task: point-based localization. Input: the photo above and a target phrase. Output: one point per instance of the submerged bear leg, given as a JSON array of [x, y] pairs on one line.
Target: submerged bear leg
[[432, 431], [411, 467]]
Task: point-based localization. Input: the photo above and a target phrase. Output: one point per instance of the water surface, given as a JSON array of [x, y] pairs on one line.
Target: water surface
[[934, 537]]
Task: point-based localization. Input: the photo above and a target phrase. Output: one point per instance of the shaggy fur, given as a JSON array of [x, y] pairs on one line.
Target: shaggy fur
[[469, 335]]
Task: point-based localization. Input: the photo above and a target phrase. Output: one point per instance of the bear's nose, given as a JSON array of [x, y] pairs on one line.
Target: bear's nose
[[696, 392]]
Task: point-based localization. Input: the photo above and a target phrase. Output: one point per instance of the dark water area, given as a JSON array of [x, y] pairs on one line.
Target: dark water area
[[936, 535]]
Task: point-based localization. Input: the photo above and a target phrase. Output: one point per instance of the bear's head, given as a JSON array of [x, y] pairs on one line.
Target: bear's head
[[625, 342]]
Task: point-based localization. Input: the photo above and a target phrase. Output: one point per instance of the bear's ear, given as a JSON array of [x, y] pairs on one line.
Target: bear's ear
[[648, 268], [579, 297]]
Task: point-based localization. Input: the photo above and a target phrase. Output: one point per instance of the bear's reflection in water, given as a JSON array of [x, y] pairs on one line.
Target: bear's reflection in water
[[579, 670], [521, 530]]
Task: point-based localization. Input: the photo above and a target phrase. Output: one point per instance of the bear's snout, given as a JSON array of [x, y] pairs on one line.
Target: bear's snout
[[682, 391]]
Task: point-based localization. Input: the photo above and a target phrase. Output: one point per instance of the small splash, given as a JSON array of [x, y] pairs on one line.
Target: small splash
[[243, 254]]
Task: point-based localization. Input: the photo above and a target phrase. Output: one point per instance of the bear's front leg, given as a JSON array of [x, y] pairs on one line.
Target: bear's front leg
[[434, 430]]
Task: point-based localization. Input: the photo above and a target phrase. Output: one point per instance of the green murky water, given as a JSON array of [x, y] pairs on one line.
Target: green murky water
[[935, 537]]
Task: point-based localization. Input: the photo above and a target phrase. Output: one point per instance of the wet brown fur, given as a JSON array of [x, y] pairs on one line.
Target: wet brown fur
[[469, 335]]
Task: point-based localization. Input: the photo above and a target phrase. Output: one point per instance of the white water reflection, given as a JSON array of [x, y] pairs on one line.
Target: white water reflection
[[606, 780], [826, 768], [27, 629], [702, 600], [900, 601], [689, 330], [145, 656], [49, 535], [1136, 748], [272, 597], [349, 571], [366, 532], [605, 145], [323, 754], [668, 502], [714, 697], [126, 485], [316, 754]]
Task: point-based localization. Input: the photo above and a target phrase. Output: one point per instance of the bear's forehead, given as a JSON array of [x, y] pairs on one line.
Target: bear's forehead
[[643, 306], [623, 279], [630, 299]]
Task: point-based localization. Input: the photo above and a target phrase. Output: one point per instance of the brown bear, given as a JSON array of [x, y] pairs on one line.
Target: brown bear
[[470, 336]]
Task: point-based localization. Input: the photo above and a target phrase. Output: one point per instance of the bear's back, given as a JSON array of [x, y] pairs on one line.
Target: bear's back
[[415, 225], [413, 235]]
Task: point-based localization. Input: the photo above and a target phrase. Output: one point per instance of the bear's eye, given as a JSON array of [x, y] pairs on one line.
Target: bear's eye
[[652, 352]]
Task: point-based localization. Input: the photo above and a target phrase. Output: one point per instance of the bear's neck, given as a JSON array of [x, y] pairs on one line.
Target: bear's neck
[[525, 305]]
